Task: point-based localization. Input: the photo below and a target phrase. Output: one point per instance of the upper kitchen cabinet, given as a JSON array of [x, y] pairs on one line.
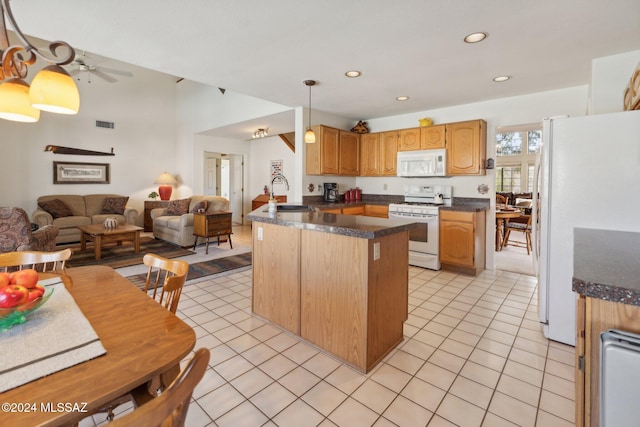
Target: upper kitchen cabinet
[[466, 147], [389, 153], [323, 156], [349, 153], [432, 137], [370, 153], [408, 139]]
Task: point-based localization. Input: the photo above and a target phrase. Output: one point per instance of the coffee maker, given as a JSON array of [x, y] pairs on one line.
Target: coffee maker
[[330, 192]]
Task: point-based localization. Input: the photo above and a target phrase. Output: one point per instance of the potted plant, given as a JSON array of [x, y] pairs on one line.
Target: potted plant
[[153, 195]]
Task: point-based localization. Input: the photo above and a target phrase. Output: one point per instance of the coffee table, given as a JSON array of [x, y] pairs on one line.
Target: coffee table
[[99, 235]]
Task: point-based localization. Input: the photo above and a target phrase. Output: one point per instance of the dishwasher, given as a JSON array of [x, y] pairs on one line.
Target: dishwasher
[[619, 379]]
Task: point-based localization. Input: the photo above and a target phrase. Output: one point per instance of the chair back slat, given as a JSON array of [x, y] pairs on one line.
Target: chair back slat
[[52, 262], [167, 276]]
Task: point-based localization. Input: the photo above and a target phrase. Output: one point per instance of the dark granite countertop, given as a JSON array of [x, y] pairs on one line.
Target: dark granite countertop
[[365, 227], [606, 265], [467, 204]]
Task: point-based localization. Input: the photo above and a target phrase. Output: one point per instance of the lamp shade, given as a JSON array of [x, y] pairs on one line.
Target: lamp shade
[[15, 103], [54, 90], [166, 181], [309, 136]]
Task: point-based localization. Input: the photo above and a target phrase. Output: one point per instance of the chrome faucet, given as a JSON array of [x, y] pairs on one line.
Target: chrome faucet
[[286, 183]]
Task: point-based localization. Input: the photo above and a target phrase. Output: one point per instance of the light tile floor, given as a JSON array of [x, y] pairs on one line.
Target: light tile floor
[[473, 355]]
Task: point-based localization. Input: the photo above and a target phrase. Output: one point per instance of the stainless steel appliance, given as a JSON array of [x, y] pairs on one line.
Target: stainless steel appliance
[[581, 181], [421, 204], [330, 192], [421, 163]]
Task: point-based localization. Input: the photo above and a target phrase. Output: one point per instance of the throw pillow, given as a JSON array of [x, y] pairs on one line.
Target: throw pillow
[[178, 207], [200, 205], [114, 205], [56, 207]]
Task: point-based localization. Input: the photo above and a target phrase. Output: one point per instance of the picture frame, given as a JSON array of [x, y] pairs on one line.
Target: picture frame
[[81, 173], [276, 169]]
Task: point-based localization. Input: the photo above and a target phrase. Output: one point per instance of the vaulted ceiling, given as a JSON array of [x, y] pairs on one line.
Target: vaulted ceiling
[[413, 48]]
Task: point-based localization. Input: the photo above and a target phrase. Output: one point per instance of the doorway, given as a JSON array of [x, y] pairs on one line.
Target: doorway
[[224, 176]]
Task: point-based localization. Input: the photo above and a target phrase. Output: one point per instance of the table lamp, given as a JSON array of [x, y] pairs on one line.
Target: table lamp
[[166, 181]]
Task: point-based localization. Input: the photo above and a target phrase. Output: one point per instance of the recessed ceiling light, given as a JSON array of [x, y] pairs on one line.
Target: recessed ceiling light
[[501, 78], [402, 98], [475, 37], [352, 73]]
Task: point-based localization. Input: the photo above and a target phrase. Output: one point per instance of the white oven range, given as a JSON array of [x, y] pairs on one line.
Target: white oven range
[[421, 204]]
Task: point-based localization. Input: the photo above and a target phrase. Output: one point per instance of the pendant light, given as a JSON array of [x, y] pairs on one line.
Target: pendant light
[[309, 135], [52, 89]]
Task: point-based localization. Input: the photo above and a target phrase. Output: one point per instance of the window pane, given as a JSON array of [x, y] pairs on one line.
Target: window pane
[[534, 141], [508, 178], [508, 144], [530, 169]]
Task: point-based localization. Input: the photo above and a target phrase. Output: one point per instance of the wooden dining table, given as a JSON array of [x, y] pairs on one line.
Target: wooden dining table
[[142, 339], [501, 217]]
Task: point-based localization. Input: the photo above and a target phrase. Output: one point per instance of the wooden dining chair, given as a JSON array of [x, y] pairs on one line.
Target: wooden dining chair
[[170, 408], [500, 199], [52, 262], [168, 277], [522, 224]]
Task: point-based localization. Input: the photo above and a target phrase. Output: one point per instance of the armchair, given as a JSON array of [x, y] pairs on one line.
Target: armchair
[[16, 234]]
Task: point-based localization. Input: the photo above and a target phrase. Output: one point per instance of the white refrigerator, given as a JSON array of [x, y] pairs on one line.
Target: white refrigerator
[[587, 175]]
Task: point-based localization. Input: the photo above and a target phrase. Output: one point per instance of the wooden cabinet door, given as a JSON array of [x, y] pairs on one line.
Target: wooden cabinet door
[[466, 148], [349, 153], [432, 137], [457, 238], [353, 210], [389, 153], [276, 275], [370, 154], [379, 211], [322, 157], [409, 139]]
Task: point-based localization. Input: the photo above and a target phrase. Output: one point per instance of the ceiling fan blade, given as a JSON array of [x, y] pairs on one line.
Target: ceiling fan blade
[[114, 71], [104, 76]]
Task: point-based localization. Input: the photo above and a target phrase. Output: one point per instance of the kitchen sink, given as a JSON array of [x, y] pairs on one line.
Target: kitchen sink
[[291, 208]]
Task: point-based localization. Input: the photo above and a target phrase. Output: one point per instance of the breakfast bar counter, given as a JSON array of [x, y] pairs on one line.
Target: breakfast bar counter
[[338, 281]]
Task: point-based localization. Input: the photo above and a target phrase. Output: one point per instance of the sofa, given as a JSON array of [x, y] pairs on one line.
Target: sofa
[[67, 212], [175, 222], [16, 233]]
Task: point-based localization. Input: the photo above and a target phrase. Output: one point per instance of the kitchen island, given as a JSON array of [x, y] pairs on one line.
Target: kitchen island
[[338, 281]]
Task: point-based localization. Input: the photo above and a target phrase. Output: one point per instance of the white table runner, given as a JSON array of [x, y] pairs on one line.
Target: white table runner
[[55, 337]]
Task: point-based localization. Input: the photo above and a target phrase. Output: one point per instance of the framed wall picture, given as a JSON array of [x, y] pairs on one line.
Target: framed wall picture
[[276, 169], [80, 173]]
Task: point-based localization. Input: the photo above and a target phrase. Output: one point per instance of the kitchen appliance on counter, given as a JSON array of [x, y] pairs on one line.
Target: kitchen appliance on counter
[[330, 192], [421, 204], [586, 175], [421, 163]]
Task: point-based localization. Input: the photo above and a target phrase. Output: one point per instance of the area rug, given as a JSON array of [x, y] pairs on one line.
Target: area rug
[[205, 268], [123, 256]]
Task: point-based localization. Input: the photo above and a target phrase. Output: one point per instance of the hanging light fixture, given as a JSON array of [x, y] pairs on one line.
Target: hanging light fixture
[[260, 133], [52, 89], [309, 135]]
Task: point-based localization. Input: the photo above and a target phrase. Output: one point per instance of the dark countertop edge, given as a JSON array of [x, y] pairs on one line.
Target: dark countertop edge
[[467, 204], [606, 292], [605, 265], [398, 226]]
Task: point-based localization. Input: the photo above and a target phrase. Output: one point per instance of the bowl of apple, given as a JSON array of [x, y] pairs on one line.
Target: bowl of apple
[[20, 294]]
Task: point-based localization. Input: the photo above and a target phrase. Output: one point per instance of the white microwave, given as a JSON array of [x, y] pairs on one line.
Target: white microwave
[[421, 163]]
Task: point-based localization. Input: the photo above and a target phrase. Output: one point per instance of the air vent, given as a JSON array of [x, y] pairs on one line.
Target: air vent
[[106, 125]]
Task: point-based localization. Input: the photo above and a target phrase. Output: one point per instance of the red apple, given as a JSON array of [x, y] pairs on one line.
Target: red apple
[[13, 295], [5, 279], [27, 278], [33, 295]]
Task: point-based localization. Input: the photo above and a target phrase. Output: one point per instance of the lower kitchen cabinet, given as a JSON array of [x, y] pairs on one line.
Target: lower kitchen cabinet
[[462, 241], [595, 316], [380, 211]]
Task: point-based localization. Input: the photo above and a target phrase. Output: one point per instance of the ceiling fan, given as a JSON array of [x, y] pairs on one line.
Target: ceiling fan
[[81, 64]]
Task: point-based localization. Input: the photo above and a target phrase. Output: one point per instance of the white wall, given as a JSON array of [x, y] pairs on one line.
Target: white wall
[[609, 77], [263, 151]]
